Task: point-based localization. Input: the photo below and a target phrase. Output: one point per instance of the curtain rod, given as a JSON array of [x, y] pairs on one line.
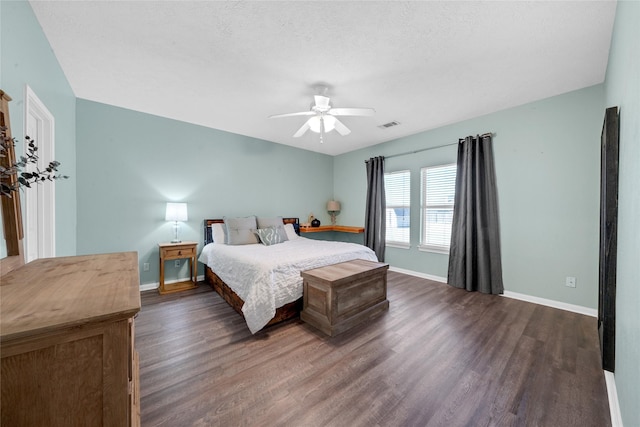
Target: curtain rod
[[433, 148]]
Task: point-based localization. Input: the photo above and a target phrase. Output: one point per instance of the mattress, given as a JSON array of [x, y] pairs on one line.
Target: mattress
[[268, 277]]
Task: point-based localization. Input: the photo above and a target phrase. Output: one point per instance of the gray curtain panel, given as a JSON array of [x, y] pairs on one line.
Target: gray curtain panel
[[374, 222], [474, 257]]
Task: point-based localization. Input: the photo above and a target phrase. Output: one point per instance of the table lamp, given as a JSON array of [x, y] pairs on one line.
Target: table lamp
[[332, 208], [176, 212]]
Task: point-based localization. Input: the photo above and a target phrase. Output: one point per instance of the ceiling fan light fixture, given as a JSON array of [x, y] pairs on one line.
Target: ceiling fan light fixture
[[329, 123], [323, 117]]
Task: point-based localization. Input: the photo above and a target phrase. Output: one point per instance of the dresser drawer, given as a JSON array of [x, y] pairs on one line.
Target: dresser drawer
[[179, 252]]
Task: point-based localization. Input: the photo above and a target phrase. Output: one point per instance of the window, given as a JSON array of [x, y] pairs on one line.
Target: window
[[397, 194], [438, 189]]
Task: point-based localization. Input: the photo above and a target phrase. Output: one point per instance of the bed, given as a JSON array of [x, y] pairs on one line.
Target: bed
[[263, 283]]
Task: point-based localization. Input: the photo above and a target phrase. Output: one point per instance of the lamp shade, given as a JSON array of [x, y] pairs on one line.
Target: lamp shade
[[333, 206], [176, 212]]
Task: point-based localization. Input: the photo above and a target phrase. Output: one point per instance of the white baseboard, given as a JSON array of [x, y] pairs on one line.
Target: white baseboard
[[418, 274], [508, 294], [551, 303], [515, 295], [152, 286], [614, 405], [149, 286]]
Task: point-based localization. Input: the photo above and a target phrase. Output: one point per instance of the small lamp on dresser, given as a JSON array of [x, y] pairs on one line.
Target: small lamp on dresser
[[176, 212], [332, 208]]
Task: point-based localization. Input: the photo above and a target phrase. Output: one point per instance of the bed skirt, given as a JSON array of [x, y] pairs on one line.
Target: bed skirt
[[286, 312]]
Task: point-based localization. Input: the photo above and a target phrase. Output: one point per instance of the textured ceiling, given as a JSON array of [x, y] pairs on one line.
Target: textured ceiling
[[230, 65]]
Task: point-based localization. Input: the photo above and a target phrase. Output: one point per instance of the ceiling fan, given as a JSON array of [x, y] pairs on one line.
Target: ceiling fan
[[324, 116]]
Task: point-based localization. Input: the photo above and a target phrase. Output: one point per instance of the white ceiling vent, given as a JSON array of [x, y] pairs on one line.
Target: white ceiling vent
[[389, 125]]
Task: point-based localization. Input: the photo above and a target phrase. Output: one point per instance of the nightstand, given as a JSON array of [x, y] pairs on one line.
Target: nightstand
[[173, 251]]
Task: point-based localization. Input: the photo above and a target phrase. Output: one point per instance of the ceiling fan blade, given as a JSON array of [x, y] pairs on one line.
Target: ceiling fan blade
[[302, 130], [322, 102], [301, 113], [352, 111], [341, 128]]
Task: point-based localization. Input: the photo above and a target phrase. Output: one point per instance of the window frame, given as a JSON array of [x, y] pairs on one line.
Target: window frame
[[397, 243], [441, 249]]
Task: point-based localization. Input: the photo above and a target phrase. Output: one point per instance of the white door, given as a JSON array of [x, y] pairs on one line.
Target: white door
[[39, 217]]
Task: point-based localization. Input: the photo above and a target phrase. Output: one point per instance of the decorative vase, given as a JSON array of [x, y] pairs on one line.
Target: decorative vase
[[315, 222]]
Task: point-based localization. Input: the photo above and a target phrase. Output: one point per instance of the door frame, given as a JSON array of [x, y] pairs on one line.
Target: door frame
[[40, 209]]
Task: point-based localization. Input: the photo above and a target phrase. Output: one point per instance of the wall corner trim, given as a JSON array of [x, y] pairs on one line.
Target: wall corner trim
[[551, 303], [614, 405]]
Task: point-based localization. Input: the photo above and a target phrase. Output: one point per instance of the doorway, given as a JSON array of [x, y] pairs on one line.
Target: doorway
[[39, 217]]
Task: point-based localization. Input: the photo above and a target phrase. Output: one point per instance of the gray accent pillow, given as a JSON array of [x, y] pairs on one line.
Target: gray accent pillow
[[270, 222], [274, 222], [241, 231], [270, 236]]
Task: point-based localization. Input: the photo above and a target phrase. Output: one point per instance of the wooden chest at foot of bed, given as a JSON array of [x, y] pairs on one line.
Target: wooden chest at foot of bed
[[340, 296]]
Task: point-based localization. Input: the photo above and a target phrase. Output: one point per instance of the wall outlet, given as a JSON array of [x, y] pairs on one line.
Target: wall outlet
[[177, 263], [570, 282], [145, 266]]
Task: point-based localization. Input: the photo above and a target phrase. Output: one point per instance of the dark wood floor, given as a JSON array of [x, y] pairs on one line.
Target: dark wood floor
[[440, 357]]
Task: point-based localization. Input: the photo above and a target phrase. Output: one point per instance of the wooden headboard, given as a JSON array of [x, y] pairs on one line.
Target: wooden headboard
[[207, 226]]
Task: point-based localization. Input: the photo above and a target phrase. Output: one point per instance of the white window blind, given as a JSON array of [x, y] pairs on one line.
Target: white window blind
[[397, 187], [438, 188]]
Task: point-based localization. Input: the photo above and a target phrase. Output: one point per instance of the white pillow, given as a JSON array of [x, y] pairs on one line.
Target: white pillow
[[217, 232], [291, 232]]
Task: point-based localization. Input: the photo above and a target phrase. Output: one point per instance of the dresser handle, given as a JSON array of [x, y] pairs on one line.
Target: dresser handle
[[179, 252]]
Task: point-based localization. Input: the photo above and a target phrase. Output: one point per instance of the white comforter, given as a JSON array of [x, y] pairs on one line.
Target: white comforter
[[268, 277]]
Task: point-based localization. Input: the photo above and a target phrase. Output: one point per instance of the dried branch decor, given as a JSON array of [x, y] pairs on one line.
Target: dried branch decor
[[26, 178]]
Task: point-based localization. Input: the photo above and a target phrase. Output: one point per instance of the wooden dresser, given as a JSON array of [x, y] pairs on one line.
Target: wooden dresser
[[67, 342]]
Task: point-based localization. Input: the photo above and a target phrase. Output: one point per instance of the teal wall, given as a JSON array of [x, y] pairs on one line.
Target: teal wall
[[547, 164], [132, 163], [27, 59], [623, 90], [547, 159]]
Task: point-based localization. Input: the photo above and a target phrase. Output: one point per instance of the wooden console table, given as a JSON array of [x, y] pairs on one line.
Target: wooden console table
[[340, 228]]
